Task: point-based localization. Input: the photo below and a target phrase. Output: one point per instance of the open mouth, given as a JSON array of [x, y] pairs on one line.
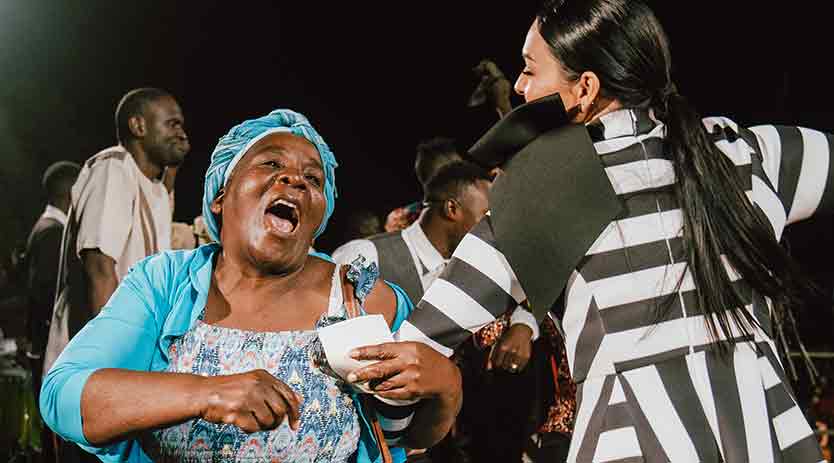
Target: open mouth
[[284, 215]]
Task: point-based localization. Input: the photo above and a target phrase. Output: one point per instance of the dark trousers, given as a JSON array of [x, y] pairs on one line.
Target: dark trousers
[[497, 415], [497, 410]]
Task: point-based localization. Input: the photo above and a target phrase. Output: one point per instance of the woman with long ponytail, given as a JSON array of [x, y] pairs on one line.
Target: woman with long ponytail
[[667, 317]]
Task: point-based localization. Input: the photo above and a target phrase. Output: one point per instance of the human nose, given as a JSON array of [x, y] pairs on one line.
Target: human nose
[[293, 178], [520, 84]]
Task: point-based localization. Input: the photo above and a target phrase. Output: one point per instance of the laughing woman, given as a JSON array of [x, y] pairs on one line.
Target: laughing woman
[[207, 355]]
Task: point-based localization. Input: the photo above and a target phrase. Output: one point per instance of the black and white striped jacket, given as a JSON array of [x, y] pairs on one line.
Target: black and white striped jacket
[[652, 391]]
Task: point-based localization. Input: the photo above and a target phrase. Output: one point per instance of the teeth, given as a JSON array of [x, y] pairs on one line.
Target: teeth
[[286, 203]]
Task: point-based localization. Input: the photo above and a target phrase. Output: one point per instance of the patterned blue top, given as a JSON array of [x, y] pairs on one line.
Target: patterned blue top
[[159, 301], [329, 426]]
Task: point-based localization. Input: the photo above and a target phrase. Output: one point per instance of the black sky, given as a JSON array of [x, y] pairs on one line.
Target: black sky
[[374, 77]]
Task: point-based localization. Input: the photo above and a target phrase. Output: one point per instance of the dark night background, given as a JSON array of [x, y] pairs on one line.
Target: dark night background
[[373, 77]]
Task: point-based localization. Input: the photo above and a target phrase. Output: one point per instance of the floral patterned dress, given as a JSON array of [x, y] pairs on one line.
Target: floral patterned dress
[[329, 427]]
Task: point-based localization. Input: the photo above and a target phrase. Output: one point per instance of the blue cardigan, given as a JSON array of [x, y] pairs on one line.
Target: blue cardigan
[[158, 301]]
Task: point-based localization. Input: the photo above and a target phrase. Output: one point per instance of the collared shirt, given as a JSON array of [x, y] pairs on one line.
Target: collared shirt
[[428, 260], [43, 251], [52, 212], [158, 301]]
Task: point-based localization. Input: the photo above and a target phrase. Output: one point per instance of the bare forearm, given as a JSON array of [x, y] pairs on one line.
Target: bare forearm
[[117, 404], [432, 421], [101, 276]]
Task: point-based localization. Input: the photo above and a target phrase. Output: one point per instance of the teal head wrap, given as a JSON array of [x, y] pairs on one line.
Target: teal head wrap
[[232, 146]]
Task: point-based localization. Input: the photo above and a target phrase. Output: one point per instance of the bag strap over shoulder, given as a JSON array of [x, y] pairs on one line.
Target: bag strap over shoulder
[[353, 309]]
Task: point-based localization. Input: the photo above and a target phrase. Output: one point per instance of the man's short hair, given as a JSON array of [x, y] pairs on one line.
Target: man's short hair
[[432, 155], [133, 104], [59, 177], [452, 181]]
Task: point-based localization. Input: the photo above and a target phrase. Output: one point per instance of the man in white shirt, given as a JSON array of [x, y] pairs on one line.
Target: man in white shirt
[[120, 205], [43, 249], [456, 199]]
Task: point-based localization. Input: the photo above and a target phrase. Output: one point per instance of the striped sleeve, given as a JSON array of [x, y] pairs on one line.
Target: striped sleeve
[[394, 418], [797, 162], [477, 286]]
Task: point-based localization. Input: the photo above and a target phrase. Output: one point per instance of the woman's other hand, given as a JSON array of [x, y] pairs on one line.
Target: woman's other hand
[[407, 371], [512, 352], [253, 401]]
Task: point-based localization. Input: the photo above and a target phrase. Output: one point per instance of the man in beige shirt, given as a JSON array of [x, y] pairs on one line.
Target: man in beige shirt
[[120, 209]]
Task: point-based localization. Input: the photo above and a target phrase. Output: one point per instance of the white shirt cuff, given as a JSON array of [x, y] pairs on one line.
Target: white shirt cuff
[[525, 317]]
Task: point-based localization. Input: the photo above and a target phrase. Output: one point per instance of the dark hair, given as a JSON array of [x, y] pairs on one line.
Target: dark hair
[[133, 104], [433, 154], [59, 177], [625, 45], [363, 223], [453, 179]]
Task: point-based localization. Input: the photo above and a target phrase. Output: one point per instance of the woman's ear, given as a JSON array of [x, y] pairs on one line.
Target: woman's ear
[[586, 91], [217, 203]]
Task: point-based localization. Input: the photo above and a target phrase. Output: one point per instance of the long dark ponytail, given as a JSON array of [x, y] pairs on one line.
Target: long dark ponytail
[[623, 43]]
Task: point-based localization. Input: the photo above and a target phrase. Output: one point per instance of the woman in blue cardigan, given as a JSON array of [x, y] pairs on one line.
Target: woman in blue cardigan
[[208, 355]]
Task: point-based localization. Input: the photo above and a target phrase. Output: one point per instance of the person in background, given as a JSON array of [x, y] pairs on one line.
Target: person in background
[[43, 250], [432, 155], [457, 197], [121, 210]]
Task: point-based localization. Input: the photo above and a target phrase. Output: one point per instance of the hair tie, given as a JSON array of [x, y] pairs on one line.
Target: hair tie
[[660, 100], [666, 92]]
